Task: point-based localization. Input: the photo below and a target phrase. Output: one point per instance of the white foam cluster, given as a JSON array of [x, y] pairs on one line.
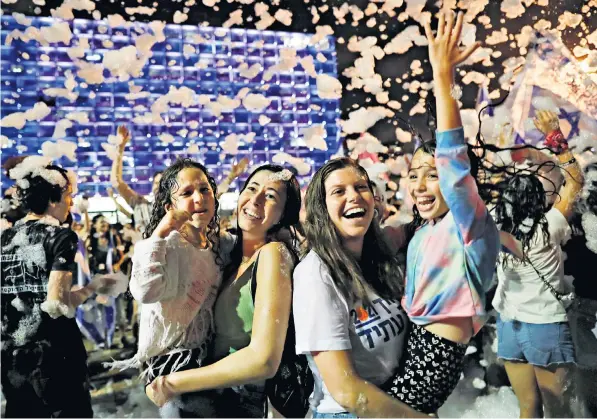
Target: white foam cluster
[[61, 127], [27, 327], [367, 143], [374, 169], [314, 136], [364, 118], [55, 150], [328, 87], [18, 119], [405, 40], [57, 309], [255, 102], [303, 168]]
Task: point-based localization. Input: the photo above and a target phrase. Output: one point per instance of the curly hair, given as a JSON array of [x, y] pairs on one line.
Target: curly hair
[[285, 231], [520, 211], [378, 267], [39, 193], [169, 185]]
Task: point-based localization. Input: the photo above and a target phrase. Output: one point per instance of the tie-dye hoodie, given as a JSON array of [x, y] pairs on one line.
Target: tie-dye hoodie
[[450, 262]]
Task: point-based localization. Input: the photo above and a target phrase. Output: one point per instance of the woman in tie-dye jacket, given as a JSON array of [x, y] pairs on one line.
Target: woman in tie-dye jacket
[[452, 255]]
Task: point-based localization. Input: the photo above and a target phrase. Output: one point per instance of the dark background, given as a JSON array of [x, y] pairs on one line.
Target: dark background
[[391, 66]]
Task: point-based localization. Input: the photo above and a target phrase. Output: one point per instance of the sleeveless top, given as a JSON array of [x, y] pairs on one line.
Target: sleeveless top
[[234, 327], [233, 318]]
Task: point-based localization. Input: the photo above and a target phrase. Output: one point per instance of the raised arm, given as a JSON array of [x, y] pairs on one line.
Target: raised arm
[[548, 123], [445, 55], [118, 206], [456, 183], [235, 172], [261, 358], [130, 196]]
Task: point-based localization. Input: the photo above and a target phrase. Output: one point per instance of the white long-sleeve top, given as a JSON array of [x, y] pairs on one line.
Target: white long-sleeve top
[[177, 285]]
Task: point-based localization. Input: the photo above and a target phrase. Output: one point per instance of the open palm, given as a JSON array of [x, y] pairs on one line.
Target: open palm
[[444, 52]]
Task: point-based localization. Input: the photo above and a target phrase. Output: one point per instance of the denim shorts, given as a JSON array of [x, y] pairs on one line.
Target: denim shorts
[[537, 344], [316, 414]]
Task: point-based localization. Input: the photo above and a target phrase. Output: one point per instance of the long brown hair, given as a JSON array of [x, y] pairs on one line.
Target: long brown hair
[[378, 269]]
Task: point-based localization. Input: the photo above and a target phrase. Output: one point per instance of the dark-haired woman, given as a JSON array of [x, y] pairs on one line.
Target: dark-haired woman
[[534, 336], [177, 270], [346, 299], [44, 363], [253, 308], [104, 255]]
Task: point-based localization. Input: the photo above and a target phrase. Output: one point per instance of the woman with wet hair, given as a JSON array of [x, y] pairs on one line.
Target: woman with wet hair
[[253, 307], [454, 242], [44, 362], [177, 270], [534, 338]]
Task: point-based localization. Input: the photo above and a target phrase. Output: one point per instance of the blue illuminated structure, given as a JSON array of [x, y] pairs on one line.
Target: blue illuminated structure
[[294, 105]]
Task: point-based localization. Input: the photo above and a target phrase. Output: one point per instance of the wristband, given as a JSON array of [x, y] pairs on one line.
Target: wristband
[[568, 163], [556, 141]]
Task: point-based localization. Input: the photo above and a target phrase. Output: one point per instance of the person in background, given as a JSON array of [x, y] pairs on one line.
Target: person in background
[[103, 251], [379, 196], [44, 363], [582, 247], [141, 205], [10, 209], [534, 337]]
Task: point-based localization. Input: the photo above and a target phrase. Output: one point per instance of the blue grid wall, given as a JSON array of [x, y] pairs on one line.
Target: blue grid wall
[[294, 105]]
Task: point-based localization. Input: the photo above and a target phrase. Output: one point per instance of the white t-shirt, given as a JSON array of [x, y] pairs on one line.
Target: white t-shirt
[[521, 295], [324, 321]]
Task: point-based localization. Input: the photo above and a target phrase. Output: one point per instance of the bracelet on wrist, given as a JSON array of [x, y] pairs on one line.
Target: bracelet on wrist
[[556, 141], [568, 163]]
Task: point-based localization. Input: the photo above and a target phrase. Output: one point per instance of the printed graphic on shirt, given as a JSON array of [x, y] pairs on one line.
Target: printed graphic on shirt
[[379, 322]]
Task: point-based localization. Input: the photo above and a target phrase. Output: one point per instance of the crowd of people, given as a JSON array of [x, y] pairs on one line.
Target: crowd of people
[[313, 301]]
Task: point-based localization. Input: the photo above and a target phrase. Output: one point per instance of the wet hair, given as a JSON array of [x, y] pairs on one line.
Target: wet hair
[[39, 193], [285, 230], [378, 269], [521, 210], [169, 185], [429, 147]]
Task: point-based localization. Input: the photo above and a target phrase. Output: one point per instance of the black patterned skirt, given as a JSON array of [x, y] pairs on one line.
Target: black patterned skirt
[[428, 372]]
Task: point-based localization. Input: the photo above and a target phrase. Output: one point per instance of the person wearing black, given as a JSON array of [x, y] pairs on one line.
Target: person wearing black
[[580, 260], [44, 371]]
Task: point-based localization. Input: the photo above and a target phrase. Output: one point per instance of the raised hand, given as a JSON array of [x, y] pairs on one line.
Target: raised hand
[[546, 121], [172, 221], [444, 52], [126, 136], [239, 167]]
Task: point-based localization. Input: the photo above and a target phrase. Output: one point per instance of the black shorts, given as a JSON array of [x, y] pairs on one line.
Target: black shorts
[[428, 372]]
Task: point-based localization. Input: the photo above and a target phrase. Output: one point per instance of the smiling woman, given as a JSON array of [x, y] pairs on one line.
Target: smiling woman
[[423, 186], [252, 312], [346, 288]]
